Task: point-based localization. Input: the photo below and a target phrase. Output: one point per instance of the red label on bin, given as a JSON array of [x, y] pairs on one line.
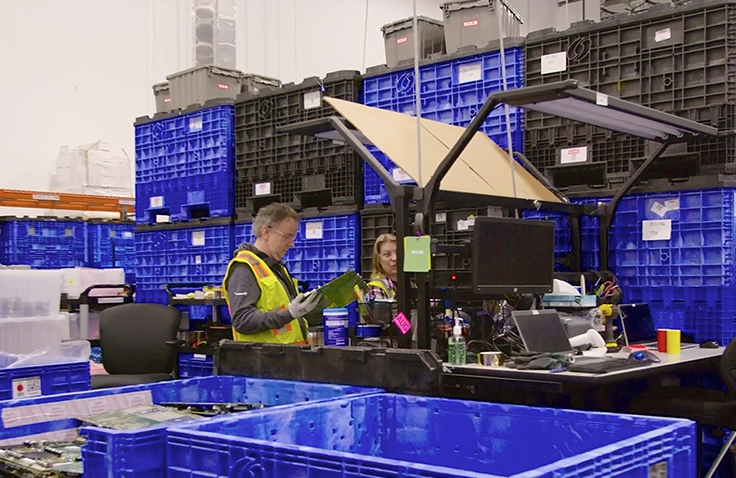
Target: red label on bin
[[223, 86], [403, 39], [167, 100], [402, 323], [471, 23]]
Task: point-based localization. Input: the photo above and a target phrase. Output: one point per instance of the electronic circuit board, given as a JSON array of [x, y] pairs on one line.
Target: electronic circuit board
[[42, 459]]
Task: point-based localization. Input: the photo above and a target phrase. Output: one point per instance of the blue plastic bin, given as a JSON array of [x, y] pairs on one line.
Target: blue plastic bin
[[46, 379], [183, 252], [195, 365], [185, 165], [112, 245], [453, 91], [142, 452], [43, 243], [384, 435], [319, 257]]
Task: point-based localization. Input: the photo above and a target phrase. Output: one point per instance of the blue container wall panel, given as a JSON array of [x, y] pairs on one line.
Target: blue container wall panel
[[143, 452], [44, 244], [197, 254], [185, 166], [195, 365], [53, 379], [400, 435], [112, 245], [325, 247], [452, 92]]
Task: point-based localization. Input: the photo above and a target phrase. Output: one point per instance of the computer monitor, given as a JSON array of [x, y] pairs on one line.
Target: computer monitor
[[512, 256]]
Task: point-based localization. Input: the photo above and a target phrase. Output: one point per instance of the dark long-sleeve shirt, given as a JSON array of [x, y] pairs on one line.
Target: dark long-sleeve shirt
[[243, 293]]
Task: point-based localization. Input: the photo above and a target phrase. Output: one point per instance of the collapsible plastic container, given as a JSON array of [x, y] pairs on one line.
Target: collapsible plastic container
[[48, 379], [399, 39], [29, 293], [475, 22], [383, 435], [138, 453]]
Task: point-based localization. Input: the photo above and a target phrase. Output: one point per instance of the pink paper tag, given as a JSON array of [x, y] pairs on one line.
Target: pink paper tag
[[402, 323]]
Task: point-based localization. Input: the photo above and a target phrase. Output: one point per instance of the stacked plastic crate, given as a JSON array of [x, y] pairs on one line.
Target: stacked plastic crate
[[271, 165], [43, 242], [673, 59], [453, 88], [111, 244], [184, 198]]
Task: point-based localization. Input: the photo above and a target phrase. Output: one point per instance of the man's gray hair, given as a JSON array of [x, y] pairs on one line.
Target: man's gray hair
[[271, 215]]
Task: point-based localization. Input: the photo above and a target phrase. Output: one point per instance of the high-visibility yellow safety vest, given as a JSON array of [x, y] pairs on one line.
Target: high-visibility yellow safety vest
[[390, 294], [273, 297]]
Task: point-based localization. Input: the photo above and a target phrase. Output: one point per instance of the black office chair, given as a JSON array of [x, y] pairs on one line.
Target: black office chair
[[705, 406], [138, 344]]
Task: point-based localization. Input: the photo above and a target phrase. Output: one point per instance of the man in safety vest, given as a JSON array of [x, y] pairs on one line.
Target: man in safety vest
[[261, 295]]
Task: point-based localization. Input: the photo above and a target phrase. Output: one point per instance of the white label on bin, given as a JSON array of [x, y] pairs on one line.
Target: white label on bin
[[156, 201], [400, 175], [659, 209], [578, 154], [440, 217], [198, 238], [197, 259], [468, 73], [199, 356], [314, 230], [401, 40], [259, 189], [462, 225], [336, 323], [26, 387], [126, 202], [163, 218], [658, 230], [46, 197], [223, 86], [662, 35], [672, 204], [601, 99], [127, 235], [471, 23], [195, 124], [554, 62], [167, 99], [313, 99]]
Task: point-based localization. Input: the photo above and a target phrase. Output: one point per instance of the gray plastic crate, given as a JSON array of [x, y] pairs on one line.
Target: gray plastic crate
[[399, 39], [163, 97], [197, 85], [474, 22]]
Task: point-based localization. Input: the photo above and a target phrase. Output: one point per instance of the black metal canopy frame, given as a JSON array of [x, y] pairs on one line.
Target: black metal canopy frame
[[565, 99]]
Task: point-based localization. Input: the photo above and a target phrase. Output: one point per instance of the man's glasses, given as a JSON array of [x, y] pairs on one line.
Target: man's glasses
[[288, 237]]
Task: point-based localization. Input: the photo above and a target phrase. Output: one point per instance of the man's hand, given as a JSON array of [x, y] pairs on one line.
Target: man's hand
[[302, 305]]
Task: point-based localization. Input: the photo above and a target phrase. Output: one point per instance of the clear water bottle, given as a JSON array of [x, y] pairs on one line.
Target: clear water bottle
[[456, 346]]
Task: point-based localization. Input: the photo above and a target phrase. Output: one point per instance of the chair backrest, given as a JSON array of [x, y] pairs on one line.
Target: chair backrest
[[728, 367], [133, 338]]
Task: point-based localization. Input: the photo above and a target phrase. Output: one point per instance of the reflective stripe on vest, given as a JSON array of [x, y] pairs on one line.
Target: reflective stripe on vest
[[273, 297]]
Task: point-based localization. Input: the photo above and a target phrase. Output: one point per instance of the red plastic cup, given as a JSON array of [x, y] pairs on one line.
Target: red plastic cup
[[662, 340]]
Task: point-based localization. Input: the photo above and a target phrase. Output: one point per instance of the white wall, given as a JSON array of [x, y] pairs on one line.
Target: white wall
[[78, 71]]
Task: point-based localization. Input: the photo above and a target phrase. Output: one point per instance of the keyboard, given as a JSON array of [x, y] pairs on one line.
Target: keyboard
[[603, 365]]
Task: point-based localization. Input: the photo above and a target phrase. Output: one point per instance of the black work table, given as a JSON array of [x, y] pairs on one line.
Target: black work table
[[609, 391]]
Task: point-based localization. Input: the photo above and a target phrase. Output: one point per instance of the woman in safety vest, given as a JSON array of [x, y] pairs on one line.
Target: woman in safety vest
[[385, 267]]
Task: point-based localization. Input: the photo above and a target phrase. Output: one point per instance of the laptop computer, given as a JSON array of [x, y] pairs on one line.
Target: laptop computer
[[541, 331], [638, 325]]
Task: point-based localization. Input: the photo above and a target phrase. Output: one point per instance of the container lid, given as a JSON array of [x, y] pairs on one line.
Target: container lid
[[405, 23], [337, 311], [456, 5]]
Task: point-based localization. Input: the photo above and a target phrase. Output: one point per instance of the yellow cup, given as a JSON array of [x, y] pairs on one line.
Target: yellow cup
[[673, 341]]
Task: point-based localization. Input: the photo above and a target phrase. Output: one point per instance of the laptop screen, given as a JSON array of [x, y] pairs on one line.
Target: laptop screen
[[541, 331], [638, 323]]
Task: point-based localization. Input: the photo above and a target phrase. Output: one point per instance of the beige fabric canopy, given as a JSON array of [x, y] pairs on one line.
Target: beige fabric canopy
[[482, 168]]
